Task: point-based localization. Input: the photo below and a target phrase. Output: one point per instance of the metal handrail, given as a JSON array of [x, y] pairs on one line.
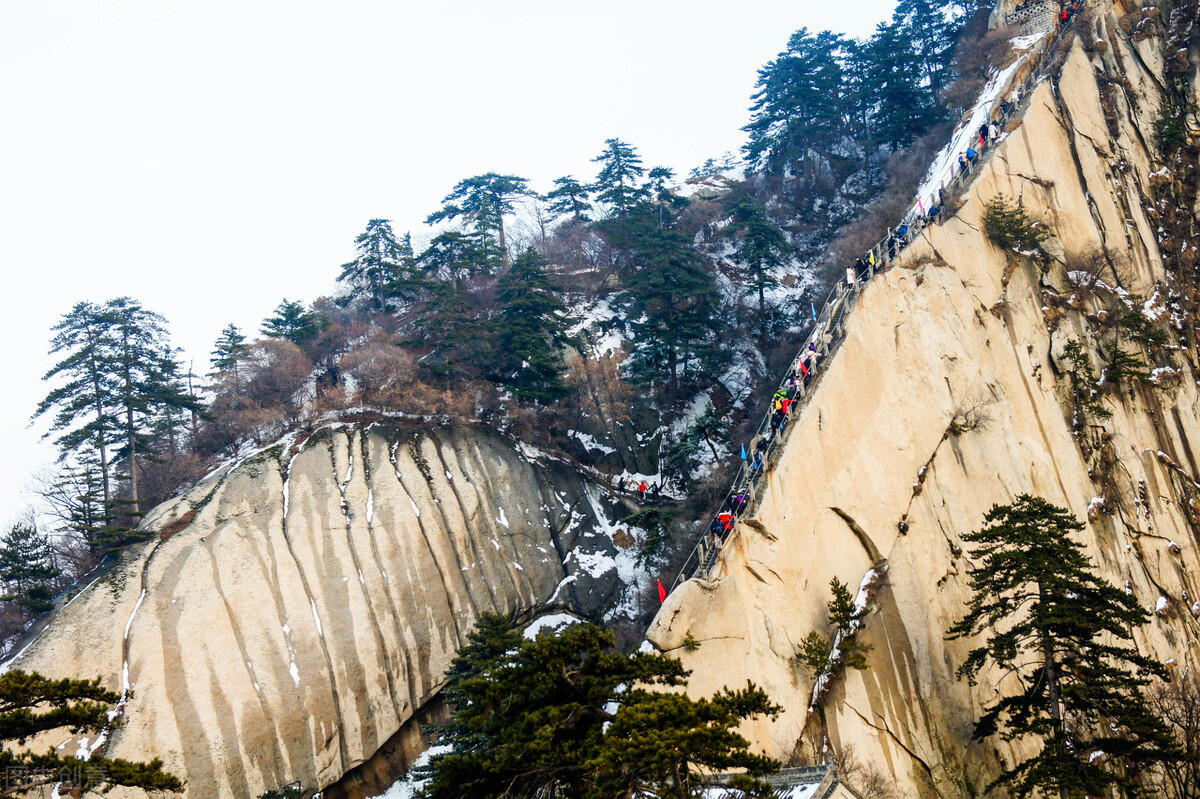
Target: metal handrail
[[827, 334]]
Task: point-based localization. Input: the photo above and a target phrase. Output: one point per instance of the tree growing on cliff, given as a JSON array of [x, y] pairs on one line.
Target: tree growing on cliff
[[530, 330], [565, 715], [118, 375], [27, 568], [292, 321], [383, 266], [1011, 227], [761, 246], [1065, 636], [31, 704], [822, 655], [484, 201], [617, 184]]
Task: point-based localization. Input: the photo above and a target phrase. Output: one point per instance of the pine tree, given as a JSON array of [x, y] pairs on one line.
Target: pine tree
[[148, 381], [761, 246], [530, 330], [27, 568], [484, 200], [120, 374], [74, 498], [799, 100], [382, 268], [456, 256], [656, 182], [31, 704], [1065, 635], [620, 171], [931, 29], [85, 404], [897, 103], [532, 718], [229, 350], [294, 322], [569, 197], [451, 323], [821, 655], [675, 301]]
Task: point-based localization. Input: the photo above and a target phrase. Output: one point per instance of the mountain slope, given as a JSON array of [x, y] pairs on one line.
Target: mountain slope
[[950, 393], [297, 609]]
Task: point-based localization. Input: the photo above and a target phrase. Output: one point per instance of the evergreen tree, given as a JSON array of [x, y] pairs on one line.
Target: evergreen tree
[[148, 381], [530, 330], [453, 326], [895, 99], [120, 374], [484, 200], [822, 655], [620, 171], [569, 197], [75, 499], [229, 350], [294, 322], [930, 29], [675, 301], [85, 404], [799, 100], [31, 704], [27, 568], [383, 267], [761, 246], [532, 718], [1066, 637], [456, 256], [656, 182]]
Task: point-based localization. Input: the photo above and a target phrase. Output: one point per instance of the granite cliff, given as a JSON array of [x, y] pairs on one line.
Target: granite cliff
[[952, 392], [293, 612]]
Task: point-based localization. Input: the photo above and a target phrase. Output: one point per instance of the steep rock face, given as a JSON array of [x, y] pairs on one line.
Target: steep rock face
[[294, 611], [873, 473]]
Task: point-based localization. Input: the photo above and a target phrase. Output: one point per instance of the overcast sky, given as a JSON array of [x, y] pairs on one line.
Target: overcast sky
[[211, 158]]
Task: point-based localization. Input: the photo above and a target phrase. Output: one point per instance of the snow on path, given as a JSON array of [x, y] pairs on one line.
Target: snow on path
[[967, 134]]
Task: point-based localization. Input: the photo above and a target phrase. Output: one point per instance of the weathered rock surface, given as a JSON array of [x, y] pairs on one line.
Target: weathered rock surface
[[958, 330], [294, 611]]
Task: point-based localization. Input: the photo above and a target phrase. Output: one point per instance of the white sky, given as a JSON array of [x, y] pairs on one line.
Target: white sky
[[211, 158]]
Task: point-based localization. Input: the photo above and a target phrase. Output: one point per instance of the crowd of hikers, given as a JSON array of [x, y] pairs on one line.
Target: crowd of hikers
[[1067, 8], [757, 458]]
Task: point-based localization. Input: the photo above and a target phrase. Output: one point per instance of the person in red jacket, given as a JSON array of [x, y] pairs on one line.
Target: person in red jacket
[[642, 490]]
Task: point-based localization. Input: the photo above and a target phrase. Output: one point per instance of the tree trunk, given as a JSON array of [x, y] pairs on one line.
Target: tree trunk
[[129, 430], [762, 312], [1050, 669], [103, 444], [503, 243]]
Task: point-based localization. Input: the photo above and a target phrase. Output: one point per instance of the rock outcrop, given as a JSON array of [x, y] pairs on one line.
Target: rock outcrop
[[948, 395], [294, 611]]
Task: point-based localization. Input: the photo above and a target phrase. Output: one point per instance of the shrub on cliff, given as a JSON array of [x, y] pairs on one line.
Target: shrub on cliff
[[1010, 227], [565, 715]]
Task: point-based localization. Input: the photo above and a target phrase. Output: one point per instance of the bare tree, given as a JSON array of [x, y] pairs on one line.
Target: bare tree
[[1178, 704]]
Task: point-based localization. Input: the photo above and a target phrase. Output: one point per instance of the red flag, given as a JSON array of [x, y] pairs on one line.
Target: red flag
[[662, 592]]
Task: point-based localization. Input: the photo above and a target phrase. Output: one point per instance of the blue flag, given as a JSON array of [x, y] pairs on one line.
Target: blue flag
[[814, 311], [743, 452]]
